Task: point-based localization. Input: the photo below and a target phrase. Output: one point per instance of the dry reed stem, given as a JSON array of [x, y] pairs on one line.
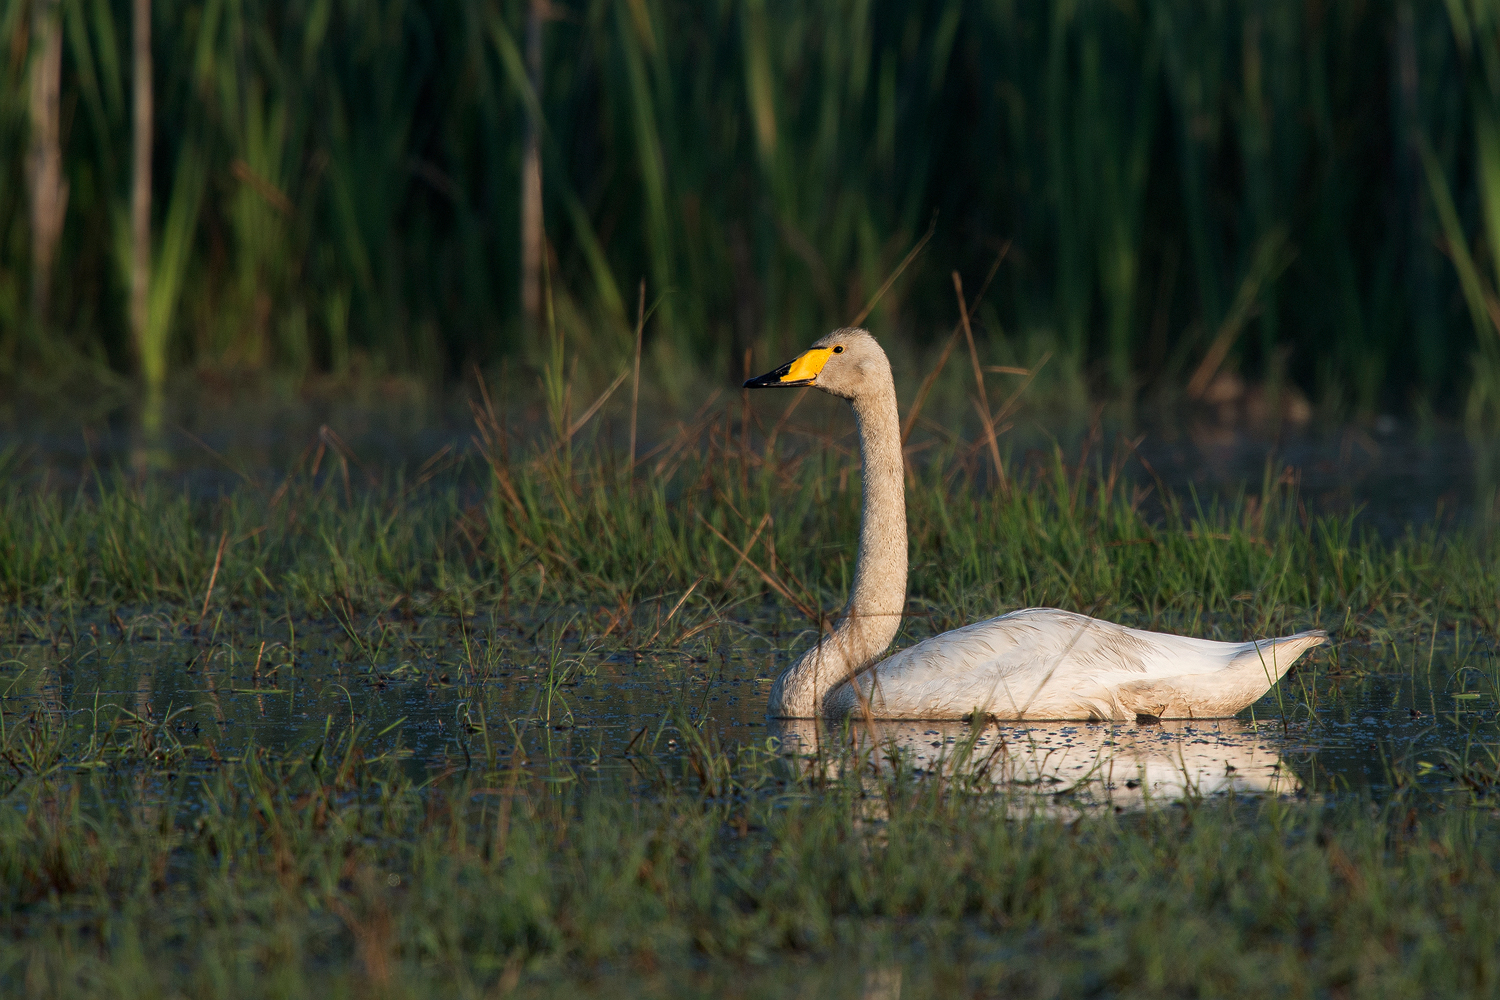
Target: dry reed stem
[[687, 433], [429, 469], [594, 408], [931, 379], [785, 416], [491, 442], [1009, 406], [675, 608], [927, 383], [1262, 268], [771, 581], [754, 537], [982, 403], [215, 455], [270, 193], [214, 576], [373, 937], [328, 438], [910, 256]]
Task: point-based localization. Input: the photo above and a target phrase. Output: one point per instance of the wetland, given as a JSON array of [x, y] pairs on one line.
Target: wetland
[[492, 721]]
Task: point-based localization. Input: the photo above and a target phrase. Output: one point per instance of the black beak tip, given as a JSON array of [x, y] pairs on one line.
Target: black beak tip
[[773, 379]]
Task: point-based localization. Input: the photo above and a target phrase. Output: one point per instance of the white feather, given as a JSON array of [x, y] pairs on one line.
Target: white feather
[[1042, 663]]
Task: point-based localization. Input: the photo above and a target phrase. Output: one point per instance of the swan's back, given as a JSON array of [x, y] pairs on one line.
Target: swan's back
[[1042, 663]]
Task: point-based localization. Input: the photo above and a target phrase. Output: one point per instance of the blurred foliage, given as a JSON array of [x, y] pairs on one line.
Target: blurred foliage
[[336, 186]]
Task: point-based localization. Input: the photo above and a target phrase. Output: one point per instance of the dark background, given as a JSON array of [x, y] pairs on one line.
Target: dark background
[[336, 189]]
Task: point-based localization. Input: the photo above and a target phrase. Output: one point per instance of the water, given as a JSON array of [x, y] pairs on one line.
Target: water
[[1392, 478], [546, 694]]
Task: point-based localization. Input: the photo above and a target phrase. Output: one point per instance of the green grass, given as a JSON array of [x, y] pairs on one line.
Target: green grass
[[522, 523], [724, 872]]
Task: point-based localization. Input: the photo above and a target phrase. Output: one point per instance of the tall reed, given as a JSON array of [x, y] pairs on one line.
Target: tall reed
[[763, 165]]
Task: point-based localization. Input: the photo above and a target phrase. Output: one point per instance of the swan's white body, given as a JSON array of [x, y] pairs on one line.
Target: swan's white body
[[1040, 663]]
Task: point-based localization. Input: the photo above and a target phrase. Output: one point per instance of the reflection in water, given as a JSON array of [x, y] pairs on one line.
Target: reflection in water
[[1120, 764]]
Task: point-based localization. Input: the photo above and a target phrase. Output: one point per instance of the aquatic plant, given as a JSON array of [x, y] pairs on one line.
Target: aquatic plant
[[1188, 190], [336, 872], [726, 510], [152, 844]]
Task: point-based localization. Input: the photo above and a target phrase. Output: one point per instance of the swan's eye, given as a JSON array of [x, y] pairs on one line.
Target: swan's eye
[[839, 349]]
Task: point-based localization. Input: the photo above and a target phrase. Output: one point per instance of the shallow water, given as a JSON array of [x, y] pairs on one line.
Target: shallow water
[[537, 692]]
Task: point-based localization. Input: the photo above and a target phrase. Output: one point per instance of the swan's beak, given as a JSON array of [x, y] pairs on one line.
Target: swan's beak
[[803, 371]]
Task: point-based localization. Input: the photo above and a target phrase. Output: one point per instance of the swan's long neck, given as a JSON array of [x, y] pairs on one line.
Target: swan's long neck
[[873, 616]]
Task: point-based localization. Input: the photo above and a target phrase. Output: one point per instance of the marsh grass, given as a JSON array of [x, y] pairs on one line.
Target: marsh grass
[[139, 858], [732, 506], [721, 872]]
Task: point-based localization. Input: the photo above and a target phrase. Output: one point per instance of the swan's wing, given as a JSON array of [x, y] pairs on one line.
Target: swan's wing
[[1014, 666], [1042, 663]]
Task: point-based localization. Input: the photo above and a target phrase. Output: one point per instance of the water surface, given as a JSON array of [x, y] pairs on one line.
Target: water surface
[[552, 693]]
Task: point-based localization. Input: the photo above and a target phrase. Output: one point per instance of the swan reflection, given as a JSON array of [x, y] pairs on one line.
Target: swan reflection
[[1119, 764]]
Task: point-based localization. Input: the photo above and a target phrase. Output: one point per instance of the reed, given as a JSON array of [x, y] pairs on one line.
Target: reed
[[336, 187]]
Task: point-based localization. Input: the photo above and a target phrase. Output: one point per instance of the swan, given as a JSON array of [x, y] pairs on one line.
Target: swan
[[1038, 663]]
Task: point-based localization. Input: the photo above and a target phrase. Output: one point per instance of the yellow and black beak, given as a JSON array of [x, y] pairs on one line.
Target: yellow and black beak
[[803, 371]]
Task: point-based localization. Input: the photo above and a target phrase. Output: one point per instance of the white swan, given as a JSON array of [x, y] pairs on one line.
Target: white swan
[[1039, 663]]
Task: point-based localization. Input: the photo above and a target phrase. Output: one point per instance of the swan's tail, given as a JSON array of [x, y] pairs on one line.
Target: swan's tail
[[1274, 657], [1224, 692]]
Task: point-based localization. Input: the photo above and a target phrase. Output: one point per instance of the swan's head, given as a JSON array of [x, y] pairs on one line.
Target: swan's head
[[845, 363]]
